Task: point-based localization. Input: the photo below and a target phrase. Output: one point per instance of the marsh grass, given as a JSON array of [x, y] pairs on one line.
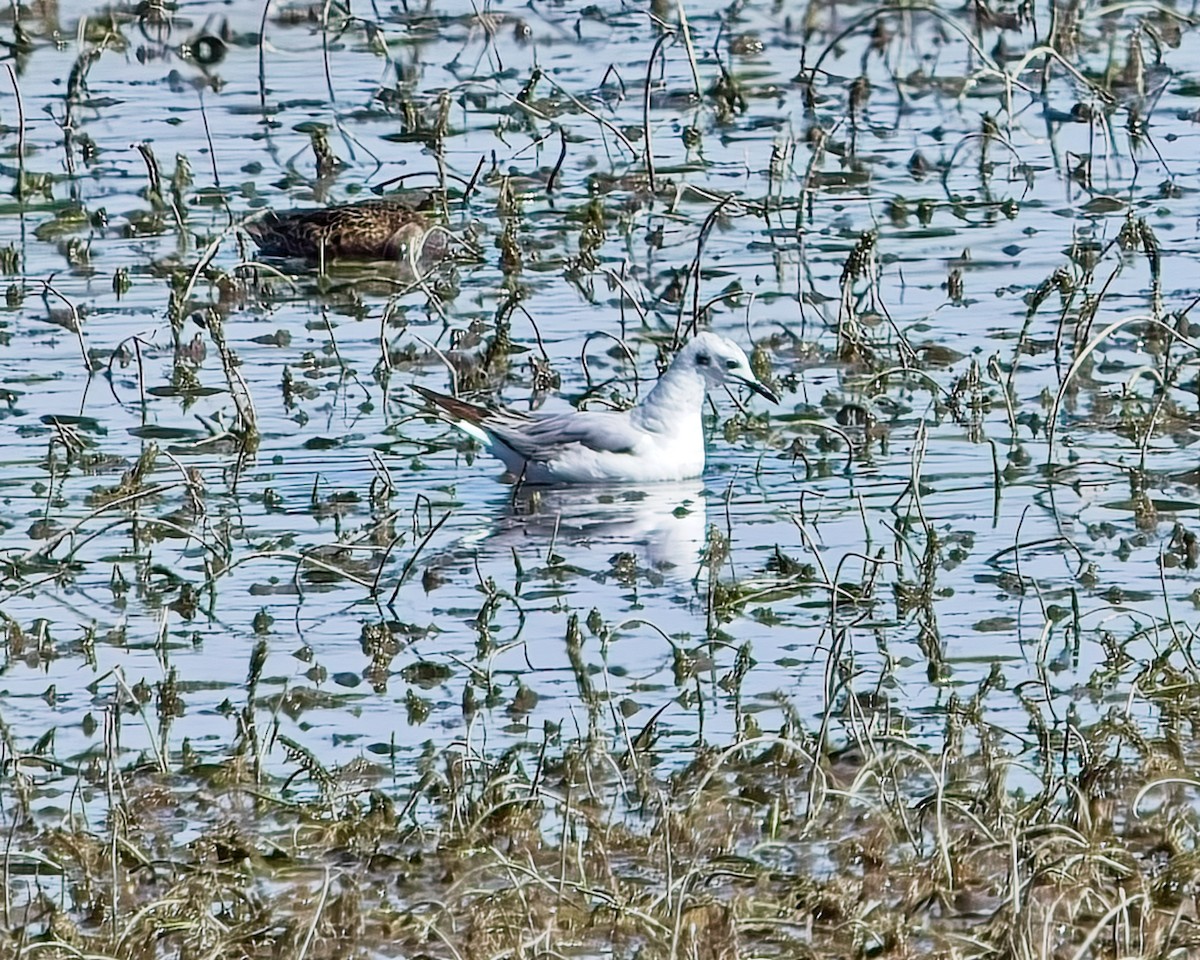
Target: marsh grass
[[771, 845]]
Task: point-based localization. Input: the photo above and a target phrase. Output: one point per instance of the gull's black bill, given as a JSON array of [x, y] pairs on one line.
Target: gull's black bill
[[761, 389]]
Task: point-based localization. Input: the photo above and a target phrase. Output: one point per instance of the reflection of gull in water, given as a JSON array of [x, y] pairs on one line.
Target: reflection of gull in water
[[663, 526]]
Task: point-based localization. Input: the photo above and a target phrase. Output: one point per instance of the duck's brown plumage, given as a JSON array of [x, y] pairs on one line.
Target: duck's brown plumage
[[369, 230]]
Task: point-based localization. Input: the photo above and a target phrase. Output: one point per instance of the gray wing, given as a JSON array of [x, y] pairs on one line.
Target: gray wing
[[544, 437]]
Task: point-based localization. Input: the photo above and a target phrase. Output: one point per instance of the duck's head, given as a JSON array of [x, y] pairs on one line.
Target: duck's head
[[721, 362]]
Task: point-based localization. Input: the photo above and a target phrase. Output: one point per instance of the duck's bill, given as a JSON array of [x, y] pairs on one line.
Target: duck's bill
[[761, 389]]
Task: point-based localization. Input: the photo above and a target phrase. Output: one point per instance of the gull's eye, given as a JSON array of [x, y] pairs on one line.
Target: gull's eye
[[731, 364], [703, 360]]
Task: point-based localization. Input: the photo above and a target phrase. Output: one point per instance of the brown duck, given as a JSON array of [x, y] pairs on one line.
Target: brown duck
[[381, 229]]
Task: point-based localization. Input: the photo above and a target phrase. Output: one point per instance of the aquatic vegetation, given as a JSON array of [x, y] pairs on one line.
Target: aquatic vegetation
[[908, 672]]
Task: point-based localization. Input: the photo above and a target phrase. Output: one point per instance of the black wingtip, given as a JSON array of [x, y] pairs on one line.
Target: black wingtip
[[452, 406]]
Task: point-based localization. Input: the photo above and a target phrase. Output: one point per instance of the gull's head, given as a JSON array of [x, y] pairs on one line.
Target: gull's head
[[721, 362]]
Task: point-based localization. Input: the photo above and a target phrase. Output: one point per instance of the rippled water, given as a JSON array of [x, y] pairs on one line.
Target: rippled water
[[1087, 536]]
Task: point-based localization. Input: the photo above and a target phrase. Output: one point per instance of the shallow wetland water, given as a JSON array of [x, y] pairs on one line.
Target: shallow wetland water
[[286, 672]]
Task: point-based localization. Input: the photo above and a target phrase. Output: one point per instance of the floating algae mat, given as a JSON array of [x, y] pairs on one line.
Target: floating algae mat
[[908, 672]]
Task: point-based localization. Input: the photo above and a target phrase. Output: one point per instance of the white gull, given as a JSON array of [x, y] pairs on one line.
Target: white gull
[[660, 439]]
